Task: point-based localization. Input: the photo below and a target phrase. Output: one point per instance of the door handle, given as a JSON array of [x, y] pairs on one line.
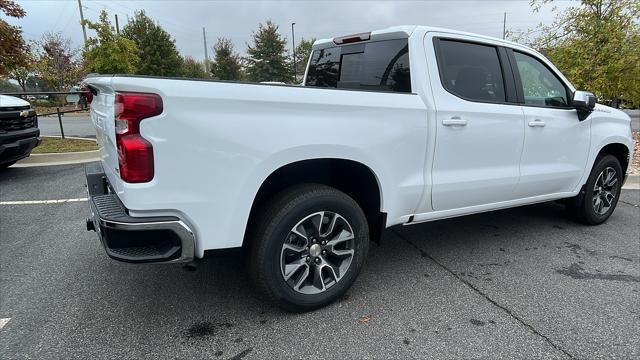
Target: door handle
[[537, 123], [454, 121]]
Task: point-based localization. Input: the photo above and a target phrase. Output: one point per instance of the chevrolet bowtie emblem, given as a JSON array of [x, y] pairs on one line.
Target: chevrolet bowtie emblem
[[24, 113]]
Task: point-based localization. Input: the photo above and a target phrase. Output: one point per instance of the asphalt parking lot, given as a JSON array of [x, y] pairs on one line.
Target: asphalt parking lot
[[515, 284]]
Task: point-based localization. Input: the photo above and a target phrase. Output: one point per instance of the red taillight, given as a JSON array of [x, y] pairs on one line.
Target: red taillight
[[135, 153], [86, 92], [352, 38]]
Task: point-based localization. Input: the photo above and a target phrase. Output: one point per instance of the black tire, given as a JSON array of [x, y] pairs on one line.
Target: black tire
[[582, 207], [6, 165], [273, 226]]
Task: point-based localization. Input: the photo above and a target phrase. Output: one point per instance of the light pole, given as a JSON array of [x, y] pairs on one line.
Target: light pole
[[84, 29], [293, 40], [206, 54]]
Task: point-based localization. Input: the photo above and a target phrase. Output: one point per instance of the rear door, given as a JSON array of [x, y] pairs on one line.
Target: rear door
[[556, 143], [480, 125]]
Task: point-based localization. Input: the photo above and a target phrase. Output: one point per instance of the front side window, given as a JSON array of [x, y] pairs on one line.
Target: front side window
[[376, 66], [540, 85], [471, 71]]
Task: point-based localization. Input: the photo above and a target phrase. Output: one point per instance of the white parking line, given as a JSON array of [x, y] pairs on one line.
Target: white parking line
[[35, 202], [4, 322]]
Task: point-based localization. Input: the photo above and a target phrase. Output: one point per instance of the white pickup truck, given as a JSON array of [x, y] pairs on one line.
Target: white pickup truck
[[393, 127]]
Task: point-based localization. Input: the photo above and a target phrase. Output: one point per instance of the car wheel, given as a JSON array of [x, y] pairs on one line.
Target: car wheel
[[308, 247], [601, 193]]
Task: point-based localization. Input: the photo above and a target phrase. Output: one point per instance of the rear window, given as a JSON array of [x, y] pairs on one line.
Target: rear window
[[471, 71], [377, 66]]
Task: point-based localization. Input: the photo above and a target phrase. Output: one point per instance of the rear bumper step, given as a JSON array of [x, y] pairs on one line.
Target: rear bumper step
[[157, 239]]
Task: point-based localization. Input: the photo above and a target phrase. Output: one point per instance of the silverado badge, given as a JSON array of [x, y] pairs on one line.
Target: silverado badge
[[24, 113]]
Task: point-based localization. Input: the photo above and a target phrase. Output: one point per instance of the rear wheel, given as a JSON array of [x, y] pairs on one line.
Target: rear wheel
[[308, 247], [601, 194]]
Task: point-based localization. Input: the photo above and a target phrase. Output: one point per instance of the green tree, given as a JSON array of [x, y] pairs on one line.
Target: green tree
[[57, 62], [156, 49], [303, 51], [267, 58], [226, 63], [597, 46], [23, 68], [193, 68], [12, 45], [109, 53]]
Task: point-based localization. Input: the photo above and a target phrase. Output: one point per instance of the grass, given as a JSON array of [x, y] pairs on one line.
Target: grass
[[59, 145]]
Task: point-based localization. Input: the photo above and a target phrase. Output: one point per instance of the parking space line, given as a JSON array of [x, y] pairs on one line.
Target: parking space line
[[35, 202], [4, 322]]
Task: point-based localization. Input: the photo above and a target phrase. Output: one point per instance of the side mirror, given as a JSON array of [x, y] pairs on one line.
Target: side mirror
[[584, 102]]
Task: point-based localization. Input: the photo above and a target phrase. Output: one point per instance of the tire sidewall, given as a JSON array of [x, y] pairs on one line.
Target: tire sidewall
[[283, 224], [602, 163]]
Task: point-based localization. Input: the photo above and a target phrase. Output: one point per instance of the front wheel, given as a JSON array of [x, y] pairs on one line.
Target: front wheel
[[601, 193], [308, 247]]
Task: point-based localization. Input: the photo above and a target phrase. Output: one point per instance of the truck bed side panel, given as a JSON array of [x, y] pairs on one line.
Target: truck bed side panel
[[216, 142]]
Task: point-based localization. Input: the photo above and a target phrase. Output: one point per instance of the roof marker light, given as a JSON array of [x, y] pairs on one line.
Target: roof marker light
[[352, 38]]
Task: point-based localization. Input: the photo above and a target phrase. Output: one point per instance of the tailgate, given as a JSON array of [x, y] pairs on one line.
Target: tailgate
[[102, 117]]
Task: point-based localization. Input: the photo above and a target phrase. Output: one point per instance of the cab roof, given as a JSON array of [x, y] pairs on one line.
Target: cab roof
[[405, 31]]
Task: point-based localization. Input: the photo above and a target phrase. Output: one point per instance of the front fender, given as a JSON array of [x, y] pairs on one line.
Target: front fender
[[608, 126]]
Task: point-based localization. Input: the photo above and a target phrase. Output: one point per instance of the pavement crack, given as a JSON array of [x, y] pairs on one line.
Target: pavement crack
[[628, 203], [486, 296]]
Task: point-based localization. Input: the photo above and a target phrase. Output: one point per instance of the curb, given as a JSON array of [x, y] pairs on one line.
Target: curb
[[69, 158], [79, 157], [632, 183]]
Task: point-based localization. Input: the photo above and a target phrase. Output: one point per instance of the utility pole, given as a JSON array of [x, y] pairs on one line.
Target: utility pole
[[206, 54], [293, 40], [117, 25], [504, 26], [84, 29]]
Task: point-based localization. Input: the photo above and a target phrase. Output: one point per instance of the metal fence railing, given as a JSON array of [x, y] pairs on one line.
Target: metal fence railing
[[34, 97]]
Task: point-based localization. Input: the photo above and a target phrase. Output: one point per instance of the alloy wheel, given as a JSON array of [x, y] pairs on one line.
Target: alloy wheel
[[605, 190], [317, 252]]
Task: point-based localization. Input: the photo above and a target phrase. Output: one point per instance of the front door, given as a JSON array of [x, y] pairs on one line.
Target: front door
[[556, 143]]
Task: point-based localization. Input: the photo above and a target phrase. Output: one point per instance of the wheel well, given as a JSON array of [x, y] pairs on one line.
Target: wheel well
[[620, 151], [351, 177]]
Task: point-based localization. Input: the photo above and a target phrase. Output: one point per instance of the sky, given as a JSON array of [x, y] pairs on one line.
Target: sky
[[237, 20]]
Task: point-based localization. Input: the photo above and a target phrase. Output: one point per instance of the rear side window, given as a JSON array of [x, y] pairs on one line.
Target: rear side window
[[471, 71], [377, 66]]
